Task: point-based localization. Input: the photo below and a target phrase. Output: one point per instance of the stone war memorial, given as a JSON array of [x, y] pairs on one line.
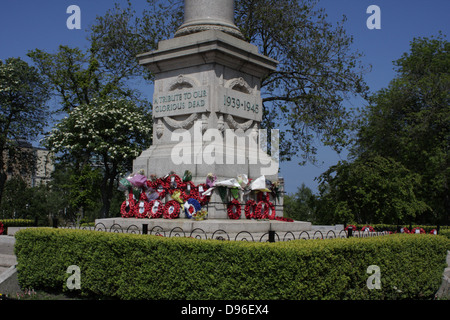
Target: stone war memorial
[[209, 165]]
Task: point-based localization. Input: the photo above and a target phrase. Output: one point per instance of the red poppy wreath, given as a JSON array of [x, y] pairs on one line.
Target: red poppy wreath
[[127, 207], [234, 209], [250, 209], [156, 209], [171, 210]]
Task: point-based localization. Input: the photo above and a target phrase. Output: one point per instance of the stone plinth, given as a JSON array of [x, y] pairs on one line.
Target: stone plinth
[[207, 110], [207, 105], [256, 228]]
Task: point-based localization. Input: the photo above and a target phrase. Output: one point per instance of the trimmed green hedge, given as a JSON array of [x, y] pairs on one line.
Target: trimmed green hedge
[[131, 266], [16, 223], [393, 227]]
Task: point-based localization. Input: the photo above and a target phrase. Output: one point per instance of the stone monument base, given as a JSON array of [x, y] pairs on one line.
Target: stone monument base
[[205, 229]]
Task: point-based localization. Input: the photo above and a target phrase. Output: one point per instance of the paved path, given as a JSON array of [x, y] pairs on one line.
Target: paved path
[[7, 257]]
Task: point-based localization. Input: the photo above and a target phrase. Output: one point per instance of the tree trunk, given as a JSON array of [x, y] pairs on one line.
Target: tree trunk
[[108, 188]]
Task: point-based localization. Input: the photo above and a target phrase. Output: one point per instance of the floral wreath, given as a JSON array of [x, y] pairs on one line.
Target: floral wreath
[[191, 207], [203, 199], [141, 207], [127, 207], [160, 187], [405, 230], [368, 228], [173, 182], [2, 228], [234, 209], [154, 214], [352, 226], [250, 208], [200, 215], [171, 210], [192, 191], [263, 196], [421, 230], [268, 206], [434, 231]]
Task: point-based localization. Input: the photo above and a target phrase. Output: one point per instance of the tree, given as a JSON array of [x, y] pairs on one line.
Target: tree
[[90, 82], [301, 205], [77, 77], [409, 122], [318, 69], [23, 109], [375, 190], [107, 133]]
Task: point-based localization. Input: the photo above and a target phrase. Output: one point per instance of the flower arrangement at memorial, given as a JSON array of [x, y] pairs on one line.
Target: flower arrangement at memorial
[[149, 198], [2, 228], [417, 230], [234, 209], [368, 228]]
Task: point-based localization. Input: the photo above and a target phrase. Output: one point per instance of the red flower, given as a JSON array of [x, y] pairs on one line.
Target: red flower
[[2, 228], [171, 210], [418, 230], [189, 191], [234, 209], [201, 188], [156, 209], [368, 228], [127, 207], [161, 187], [267, 207], [174, 182], [250, 209], [142, 207], [284, 219]]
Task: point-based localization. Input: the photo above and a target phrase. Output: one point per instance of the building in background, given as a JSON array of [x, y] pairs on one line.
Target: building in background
[[34, 165]]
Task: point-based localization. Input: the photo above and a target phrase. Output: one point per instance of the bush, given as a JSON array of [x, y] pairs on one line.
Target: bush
[[15, 223], [131, 266], [393, 227]]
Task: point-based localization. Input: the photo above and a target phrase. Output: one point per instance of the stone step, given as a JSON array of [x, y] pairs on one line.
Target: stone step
[[7, 260]]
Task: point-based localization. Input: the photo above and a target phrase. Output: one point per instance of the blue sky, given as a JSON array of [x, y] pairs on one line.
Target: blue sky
[[26, 25]]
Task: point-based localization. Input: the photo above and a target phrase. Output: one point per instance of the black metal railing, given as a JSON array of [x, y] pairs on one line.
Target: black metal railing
[[220, 234]]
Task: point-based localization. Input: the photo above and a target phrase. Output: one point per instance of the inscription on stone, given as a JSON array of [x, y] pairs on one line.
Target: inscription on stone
[[239, 104], [179, 102]]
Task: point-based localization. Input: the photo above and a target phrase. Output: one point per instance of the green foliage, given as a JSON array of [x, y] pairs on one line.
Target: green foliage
[[318, 70], [107, 133], [375, 190], [129, 266], [23, 94], [301, 205], [15, 223], [23, 112], [121, 34], [409, 122]]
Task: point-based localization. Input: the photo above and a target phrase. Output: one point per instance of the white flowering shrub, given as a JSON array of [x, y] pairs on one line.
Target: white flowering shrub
[[107, 129]]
